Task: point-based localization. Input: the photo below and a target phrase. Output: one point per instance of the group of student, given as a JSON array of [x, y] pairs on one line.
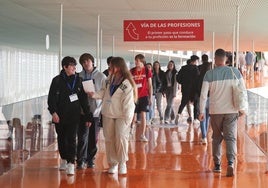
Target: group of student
[[79, 114], [166, 84], [121, 97]]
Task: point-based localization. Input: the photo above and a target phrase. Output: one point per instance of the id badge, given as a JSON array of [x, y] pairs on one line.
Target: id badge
[[73, 97], [139, 85]]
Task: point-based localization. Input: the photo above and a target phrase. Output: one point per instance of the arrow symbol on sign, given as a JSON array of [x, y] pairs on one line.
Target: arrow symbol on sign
[[132, 31]]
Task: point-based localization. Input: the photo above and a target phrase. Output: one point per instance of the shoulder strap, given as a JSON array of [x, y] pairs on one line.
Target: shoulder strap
[[234, 76]]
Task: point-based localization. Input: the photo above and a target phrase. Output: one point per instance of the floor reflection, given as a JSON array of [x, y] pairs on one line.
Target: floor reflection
[[173, 157]]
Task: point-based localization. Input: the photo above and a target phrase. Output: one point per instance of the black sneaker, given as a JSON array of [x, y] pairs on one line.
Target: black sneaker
[[90, 164], [230, 171], [217, 168], [81, 165], [189, 119]]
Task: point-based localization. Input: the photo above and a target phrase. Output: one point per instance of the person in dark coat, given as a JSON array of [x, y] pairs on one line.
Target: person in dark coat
[[65, 99], [188, 78]]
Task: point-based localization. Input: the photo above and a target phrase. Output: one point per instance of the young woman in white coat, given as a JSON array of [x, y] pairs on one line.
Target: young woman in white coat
[[118, 95]]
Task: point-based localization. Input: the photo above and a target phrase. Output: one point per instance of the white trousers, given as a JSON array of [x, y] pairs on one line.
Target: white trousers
[[116, 133]]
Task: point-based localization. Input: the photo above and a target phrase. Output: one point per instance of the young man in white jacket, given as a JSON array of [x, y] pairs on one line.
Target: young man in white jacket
[[223, 115]]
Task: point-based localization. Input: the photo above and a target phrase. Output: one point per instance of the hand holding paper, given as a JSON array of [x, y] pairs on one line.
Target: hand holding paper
[[88, 86]]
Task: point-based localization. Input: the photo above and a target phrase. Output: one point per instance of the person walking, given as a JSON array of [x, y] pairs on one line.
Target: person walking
[[203, 68], [88, 136], [66, 97], [170, 88], [143, 79], [223, 115], [118, 95], [187, 77], [158, 82]]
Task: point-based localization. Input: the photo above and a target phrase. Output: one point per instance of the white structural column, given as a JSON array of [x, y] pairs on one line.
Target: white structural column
[[213, 48], [60, 49], [100, 50], [233, 50], [47, 42], [158, 57], [98, 42], [237, 35], [113, 46]]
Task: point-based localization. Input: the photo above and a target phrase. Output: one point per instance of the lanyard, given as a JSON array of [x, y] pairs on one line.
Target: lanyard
[[71, 87], [113, 87]]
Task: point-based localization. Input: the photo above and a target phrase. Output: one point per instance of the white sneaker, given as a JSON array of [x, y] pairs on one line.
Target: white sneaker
[[122, 168], [196, 121], [113, 169], [177, 119], [161, 121], [143, 138], [70, 169], [63, 164], [166, 122], [204, 141], [70, 179]]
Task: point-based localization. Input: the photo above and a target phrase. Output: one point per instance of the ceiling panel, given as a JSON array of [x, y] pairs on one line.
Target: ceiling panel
[[24, 23]]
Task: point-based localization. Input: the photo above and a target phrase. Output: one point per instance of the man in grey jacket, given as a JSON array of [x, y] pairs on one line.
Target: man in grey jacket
[[88, 136]]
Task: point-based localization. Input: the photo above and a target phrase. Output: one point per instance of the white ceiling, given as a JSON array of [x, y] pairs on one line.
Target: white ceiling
[[24, 24]]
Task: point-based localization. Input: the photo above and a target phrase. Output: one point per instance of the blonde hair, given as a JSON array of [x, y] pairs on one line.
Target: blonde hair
[[120, 63]]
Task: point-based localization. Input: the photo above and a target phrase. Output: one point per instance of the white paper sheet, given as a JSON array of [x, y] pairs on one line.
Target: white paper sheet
[[88, 86]]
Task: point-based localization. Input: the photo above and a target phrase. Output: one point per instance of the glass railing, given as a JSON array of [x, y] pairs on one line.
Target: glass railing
[[257, 118], [26, 128]]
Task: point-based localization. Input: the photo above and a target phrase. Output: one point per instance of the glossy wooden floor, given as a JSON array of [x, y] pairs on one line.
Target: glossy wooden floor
[[173, 157]]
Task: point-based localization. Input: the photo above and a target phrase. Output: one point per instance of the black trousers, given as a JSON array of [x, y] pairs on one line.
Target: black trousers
[[185, 100], [66, 137], [87, 140]]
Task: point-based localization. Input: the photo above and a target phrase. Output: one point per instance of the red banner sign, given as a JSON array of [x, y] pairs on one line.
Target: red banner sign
[[163, 30]]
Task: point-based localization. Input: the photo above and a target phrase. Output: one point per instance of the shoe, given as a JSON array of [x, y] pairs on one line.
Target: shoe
[[143, 138], [166, 122], [70, 180], [204, 141], [70, 169], [196, 121], [153, 121], [230, 171], [217, 168], [177, 119], [122, 168], [81, 165], [91, 164], [113, 169], [161, 121], [189, 119], [63, 164], [138, 122]]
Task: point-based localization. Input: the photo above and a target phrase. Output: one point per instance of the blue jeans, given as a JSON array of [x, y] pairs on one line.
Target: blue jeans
[[205, 123]]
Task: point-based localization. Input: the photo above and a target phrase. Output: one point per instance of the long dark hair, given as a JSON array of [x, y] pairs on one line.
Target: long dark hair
[[120, 63]]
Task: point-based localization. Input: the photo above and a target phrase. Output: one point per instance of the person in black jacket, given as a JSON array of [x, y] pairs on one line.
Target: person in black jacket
[[188, 78], [65, 99]]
